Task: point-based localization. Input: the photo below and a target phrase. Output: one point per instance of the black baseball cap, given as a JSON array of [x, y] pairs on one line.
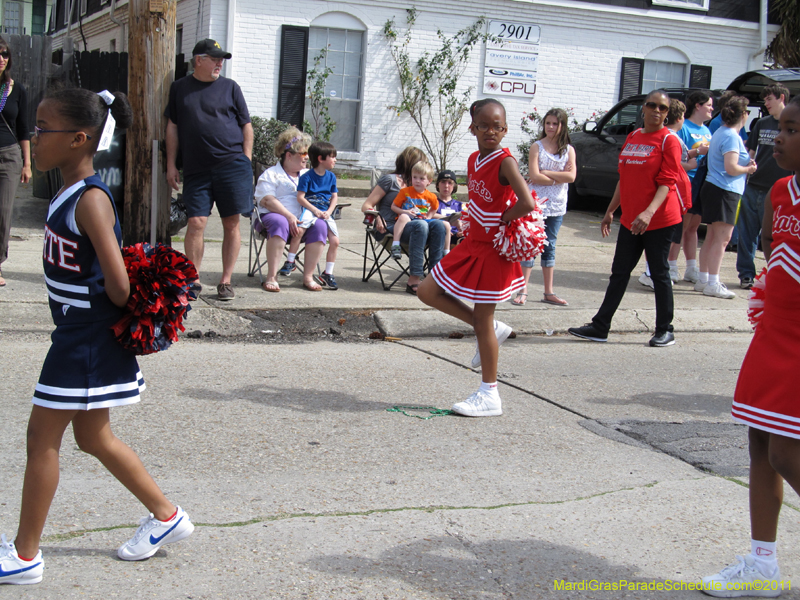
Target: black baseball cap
[[446, 174], [211, 48]]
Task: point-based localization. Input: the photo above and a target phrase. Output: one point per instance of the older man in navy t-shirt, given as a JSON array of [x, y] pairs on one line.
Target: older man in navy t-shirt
[[210, 124]]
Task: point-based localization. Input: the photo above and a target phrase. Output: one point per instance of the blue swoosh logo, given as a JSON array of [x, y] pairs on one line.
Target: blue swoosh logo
[[155, 540], [8, 573]]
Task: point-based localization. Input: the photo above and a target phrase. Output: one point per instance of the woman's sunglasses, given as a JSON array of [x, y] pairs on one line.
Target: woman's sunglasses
[[5, 54], [659, 107]]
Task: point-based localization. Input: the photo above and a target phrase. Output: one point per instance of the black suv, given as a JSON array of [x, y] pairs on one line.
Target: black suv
[[597, 147]]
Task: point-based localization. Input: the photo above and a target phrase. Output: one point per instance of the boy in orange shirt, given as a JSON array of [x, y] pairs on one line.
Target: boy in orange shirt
[[414, 202]]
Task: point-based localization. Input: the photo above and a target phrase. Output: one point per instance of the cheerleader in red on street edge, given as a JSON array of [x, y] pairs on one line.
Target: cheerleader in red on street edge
[[766, 392], [474, 271]]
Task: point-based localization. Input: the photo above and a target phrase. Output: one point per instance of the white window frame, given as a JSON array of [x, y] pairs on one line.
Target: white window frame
[[665, 84], [346, 22], [20, 18], [84, 7], [688, 4]]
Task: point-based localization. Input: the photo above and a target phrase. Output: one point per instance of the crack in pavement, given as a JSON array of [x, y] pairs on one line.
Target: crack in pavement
[[468, 546], [638, 318], [59, 537]]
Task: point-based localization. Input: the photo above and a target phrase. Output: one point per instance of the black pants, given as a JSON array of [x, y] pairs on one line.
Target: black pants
[[655, 245]]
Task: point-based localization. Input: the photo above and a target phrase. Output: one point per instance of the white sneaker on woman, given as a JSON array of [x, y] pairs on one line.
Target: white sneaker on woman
[[718, 290]]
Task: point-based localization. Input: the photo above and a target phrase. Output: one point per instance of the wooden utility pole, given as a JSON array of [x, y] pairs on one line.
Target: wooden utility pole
[[151, 69]]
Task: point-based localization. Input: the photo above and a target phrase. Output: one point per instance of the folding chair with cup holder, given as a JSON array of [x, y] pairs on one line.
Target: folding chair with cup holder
[[257, 257], [378, 249]]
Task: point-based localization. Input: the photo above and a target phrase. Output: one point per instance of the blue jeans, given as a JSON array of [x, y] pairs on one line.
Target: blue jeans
[[751, 215], [552, 225], [420, 233]]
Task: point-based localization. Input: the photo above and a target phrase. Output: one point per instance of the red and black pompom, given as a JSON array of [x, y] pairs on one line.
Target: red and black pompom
[[523, 238], [755, 300], [160, 281]]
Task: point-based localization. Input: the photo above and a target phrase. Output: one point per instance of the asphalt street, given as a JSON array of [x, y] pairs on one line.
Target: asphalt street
[[611, 463]]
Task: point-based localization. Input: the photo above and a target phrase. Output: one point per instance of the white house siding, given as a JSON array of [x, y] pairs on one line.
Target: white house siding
[[579, 60], [195, 29], [99, 29]]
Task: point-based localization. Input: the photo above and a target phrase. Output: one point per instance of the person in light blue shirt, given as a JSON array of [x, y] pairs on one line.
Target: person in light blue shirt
[[716, 122], [729, 164]]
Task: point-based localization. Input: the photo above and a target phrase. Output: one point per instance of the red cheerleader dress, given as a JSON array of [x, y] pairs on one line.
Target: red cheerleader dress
[[474, 271], [766, 394]]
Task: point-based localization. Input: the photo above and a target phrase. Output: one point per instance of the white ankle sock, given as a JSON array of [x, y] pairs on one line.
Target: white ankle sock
[[673, 264], [713, 278], [329, 268], [647, 269], [765, 555], [702, 277], [690, 264], [395, 243], [290, 256], [489, 388]]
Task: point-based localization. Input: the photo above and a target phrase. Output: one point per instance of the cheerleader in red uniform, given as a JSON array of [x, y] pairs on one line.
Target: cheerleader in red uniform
[[766, 393], [474, 271]]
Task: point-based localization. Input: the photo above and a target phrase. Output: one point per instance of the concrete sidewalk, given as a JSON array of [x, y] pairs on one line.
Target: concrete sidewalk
[[581, 276]]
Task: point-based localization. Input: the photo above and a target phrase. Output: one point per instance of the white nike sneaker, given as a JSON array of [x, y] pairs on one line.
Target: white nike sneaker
[[152, 534], [501, 331], [16, 571]]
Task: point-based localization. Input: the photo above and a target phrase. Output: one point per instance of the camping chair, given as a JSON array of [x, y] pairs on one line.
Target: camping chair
[[257, 256], [379, 252]]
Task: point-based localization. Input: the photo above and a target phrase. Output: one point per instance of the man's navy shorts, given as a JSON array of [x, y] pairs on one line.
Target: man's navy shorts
[[230, 187]]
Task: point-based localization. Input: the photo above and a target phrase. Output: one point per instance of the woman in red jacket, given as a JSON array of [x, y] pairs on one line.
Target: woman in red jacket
[[649, 191]]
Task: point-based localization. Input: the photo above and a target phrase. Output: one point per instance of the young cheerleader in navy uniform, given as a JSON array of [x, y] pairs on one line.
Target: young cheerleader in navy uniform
[[474, 271], [766, 392], [86, 370]]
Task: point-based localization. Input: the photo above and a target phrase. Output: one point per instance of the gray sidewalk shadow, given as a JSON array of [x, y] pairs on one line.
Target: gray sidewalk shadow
[[451, 567], [299, 399]]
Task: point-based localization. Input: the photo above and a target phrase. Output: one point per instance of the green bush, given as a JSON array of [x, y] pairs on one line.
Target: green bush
[[265, 134]]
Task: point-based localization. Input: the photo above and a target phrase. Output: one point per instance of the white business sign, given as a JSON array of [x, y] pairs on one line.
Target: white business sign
[[508, 31], [503, 86], [492, 72], [511, 60], [504, 59]]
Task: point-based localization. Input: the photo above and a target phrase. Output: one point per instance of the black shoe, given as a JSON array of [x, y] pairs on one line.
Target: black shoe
[[660, 340], [746, 283], [327, 281], [589, 332]]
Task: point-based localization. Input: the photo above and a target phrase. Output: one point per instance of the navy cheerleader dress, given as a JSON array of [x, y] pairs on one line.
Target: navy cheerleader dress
[[85, 367]]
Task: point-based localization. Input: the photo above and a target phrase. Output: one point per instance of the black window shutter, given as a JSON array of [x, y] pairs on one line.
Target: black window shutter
[[292, 75], [630, 81], [700, 77]]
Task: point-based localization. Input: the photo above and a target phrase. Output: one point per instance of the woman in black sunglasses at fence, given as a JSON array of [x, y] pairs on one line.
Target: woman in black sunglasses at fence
[[651, 188], [15, 166]]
